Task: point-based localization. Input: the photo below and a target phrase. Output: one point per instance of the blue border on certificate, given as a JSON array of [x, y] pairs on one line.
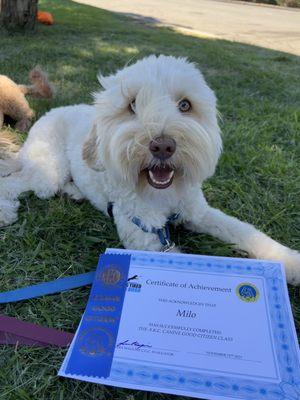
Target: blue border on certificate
[[280, 317]]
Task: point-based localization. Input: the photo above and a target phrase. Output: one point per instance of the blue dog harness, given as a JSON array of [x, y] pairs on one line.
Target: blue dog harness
[[162, 233]]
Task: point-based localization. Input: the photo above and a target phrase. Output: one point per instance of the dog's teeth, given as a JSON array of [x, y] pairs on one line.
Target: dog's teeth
[[161, 182], [151, 175]]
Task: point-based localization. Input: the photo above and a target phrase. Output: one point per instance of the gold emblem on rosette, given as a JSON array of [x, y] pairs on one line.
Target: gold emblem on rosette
[[111, 275]]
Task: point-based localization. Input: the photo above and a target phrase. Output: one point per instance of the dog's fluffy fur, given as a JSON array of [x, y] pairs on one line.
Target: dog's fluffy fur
[[101, 153]]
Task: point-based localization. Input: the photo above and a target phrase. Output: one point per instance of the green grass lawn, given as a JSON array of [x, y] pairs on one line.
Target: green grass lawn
[[257, 180]]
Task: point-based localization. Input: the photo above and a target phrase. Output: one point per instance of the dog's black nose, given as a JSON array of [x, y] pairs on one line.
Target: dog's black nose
[[162, 147]]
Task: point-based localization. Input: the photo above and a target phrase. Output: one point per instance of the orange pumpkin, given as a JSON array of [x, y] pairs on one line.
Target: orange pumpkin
[[45, 18]]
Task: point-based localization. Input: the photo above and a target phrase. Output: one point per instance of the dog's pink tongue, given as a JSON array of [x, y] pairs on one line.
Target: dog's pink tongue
[[161, 173]]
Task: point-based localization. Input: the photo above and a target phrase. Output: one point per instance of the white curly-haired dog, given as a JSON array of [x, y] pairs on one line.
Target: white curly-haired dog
[[145, 147]]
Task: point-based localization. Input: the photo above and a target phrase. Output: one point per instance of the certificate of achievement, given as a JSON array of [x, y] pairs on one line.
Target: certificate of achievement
[[198, 326]]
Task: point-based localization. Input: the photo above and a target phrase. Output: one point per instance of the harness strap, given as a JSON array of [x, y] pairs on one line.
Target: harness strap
[[110, 209], [162, 233]]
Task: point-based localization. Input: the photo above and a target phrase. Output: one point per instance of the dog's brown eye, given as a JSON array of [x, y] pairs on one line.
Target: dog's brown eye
[[184, 105], [131, 107]]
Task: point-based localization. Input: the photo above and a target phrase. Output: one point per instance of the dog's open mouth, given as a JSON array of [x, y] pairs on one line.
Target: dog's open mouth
[[160, 177]]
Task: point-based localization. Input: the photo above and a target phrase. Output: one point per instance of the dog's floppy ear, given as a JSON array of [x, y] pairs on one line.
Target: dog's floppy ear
[[90, 151]]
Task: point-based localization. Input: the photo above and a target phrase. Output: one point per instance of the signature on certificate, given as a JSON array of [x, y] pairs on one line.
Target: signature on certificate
[[133, 344]]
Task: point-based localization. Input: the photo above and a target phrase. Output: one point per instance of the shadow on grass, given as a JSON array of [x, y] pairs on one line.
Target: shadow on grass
[[257, 178]]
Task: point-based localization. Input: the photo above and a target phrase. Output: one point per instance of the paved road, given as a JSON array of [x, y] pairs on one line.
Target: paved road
[[276, 28]]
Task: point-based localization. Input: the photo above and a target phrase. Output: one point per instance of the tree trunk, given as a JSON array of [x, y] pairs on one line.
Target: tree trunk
[[18, 15]]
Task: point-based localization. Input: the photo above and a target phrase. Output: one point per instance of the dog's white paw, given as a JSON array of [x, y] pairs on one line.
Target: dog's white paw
[[8, 211], [292, 267]]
